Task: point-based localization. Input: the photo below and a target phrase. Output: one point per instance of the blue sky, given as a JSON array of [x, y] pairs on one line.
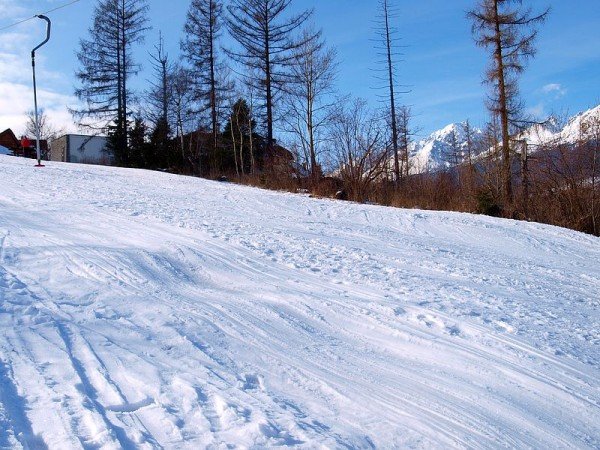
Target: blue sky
[[441, 66]]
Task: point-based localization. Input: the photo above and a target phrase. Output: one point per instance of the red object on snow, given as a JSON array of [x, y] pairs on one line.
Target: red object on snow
[[25, 142]]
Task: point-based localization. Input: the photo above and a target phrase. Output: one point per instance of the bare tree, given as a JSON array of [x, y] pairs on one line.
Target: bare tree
[[357, 136], [106, 66], [265, 34], [453, 154], [405, 135], [48, 131], [182, 99], [312, 77], [470, 143], [508, 31], [590, 137], [387, 33], [240, 130]]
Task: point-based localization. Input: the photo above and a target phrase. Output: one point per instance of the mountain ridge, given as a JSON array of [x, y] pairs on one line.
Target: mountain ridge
[[439, 150]]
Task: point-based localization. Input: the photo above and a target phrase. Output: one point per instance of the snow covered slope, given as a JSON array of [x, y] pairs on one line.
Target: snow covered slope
[[146, 310]]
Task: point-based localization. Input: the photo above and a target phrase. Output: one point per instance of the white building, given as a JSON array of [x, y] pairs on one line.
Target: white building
[[78, 148]]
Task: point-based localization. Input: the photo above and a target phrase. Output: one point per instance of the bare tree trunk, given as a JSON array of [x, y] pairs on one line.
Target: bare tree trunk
[[595, 152], [394, 124], [525, 179], [269, 93], [506, 166], [241, 147], [235, 153], [252, 160], [213, 91], [124, 77]]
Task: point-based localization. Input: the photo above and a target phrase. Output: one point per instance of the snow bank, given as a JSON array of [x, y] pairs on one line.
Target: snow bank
[[146, 310]]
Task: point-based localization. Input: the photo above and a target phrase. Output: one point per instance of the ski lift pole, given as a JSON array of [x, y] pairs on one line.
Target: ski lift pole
[[37, 123]]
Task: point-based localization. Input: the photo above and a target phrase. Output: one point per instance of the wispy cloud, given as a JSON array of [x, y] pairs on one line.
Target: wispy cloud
[[11, 10], [546, 100], [16, 92], [554, 89], [538, 111]]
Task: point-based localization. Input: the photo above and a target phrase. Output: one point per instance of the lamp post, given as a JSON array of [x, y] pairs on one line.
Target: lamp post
[[37, 124]]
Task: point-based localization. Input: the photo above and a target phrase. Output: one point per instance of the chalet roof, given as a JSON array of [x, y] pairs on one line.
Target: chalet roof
[[9, 140]]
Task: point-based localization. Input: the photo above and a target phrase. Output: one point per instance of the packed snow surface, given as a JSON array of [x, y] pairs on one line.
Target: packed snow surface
[[147, 310]]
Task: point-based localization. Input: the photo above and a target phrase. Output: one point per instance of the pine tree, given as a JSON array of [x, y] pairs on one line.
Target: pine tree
[[139, 150], [508, 31], [160, 95], [200, 45], [106, 67]]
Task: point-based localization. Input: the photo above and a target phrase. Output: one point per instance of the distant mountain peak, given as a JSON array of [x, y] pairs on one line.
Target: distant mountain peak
[[442, 148], [436, 150]]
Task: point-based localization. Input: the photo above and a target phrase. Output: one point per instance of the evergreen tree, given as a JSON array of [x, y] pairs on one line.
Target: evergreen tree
[[162, 149], [140, 153], [208, 73], [106, 67]]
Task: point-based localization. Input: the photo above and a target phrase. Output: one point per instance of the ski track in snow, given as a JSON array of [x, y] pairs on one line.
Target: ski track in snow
[[146, 310]]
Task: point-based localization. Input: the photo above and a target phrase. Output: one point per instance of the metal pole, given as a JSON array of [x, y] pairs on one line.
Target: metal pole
[[37, 123]]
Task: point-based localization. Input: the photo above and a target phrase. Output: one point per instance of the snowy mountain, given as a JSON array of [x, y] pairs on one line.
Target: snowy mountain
[[442, 149], [144, 310], [437, 150], [577, 128]]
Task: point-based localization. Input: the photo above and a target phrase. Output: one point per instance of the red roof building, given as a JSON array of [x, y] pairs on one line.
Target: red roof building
[[24, 147]]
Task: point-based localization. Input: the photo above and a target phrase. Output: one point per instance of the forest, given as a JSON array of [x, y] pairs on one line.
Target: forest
[[267, 112]]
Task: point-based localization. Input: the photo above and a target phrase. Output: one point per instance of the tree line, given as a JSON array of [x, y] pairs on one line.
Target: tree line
[[215, 109]]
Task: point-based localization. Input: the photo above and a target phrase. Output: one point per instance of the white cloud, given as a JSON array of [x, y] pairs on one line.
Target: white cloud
[[16, 90], [10, 9], [554, 88], [17, 99]]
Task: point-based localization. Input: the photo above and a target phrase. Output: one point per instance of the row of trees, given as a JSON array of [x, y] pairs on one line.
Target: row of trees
[[284, 76], [216, 110], [196, 95]]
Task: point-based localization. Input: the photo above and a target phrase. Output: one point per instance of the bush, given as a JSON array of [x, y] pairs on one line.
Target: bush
[[487, 204]]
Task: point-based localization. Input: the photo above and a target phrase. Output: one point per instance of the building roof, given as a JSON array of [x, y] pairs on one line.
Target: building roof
[[9, 140]]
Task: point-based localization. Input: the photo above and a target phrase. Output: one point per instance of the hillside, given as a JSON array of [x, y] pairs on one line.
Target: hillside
[[148, 310]]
